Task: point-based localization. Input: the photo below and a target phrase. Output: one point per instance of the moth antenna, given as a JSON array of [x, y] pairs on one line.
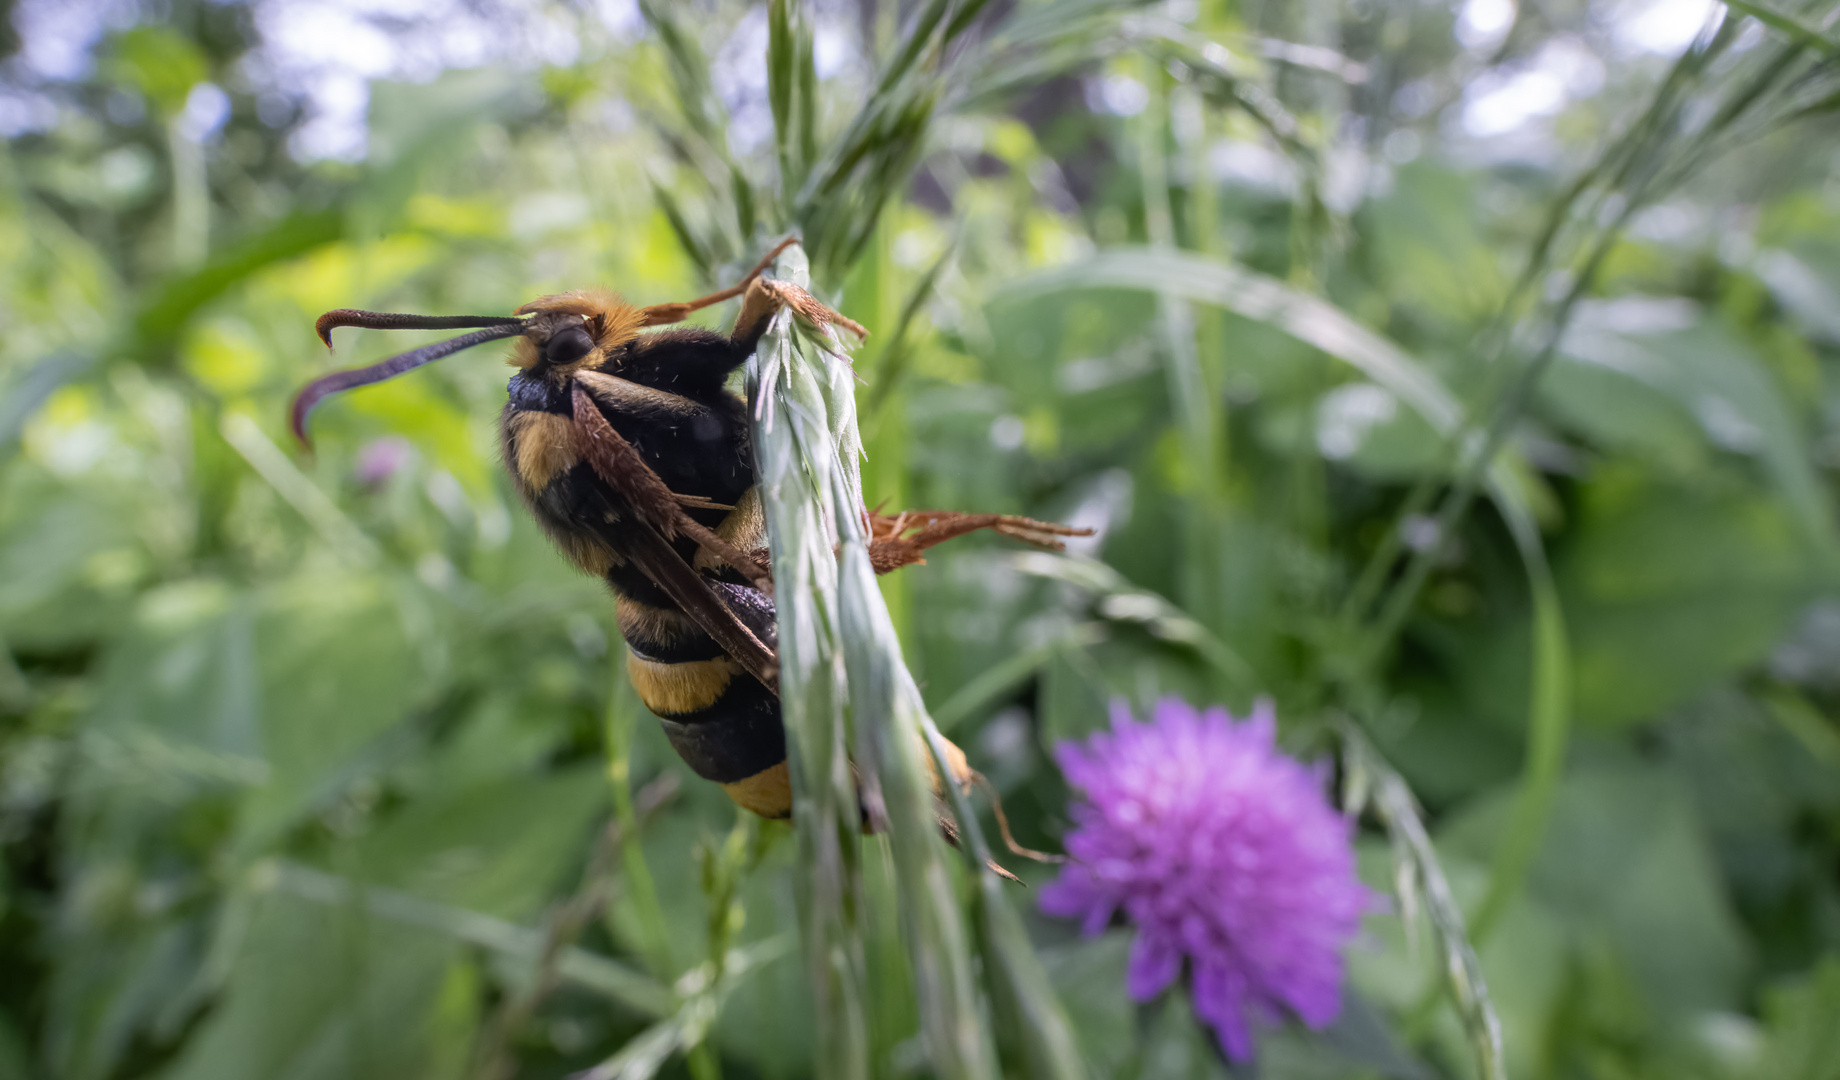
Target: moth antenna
[[386, 320], [996, 807], [319, 389]]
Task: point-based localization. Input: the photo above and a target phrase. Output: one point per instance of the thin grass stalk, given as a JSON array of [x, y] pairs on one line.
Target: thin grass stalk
[[874, 296], [1548, 728], [695, 246], [493, 1057], [792, 86], [1118, 599], [890, 779], [705, 149], [1191, 401], [1814, 37], [1549, 712], [788, 432], [806, 408], [895, 355], [842, 198], [1643, 160], [629, 988], [1190, 123], [703, 112], [622, 719], [1003, 678], [1025, 1005], [807, 101], [1419, 885], [1642, 169], [893, 781], [1495, 340], [1622, 164], [806, 428]]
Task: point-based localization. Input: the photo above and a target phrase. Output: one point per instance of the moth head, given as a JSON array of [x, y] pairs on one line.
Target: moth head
[[574, 330]]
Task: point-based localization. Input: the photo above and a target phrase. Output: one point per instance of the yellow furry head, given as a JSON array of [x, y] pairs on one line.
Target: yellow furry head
[[607, 317]]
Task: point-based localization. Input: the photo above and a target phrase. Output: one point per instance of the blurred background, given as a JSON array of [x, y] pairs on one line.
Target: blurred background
[[1465, 376]]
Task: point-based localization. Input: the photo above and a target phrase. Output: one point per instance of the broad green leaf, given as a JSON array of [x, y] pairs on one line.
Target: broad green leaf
[[1628, 876], [340, 668], [1803, 1043], [50, 561], [1663, 344], [340, 989], [1654, 570]]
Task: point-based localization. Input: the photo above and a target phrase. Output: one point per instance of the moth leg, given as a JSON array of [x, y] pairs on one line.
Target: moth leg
[[875, 816], [760, 299], [660, 314], [901, 539], [764, 298]]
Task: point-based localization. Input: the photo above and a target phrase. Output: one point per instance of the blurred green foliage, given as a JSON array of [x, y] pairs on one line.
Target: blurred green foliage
[[1512, 448]]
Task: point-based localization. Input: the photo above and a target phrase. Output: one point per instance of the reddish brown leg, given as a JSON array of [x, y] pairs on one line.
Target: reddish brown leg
[[760, 299], [900, 540], [659, 314]]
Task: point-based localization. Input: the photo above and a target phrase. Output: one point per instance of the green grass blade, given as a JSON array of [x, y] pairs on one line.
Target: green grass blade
[[1787, 24], [1548, 724], [841, 200], [696, 94], [1256, 296], [1023, 1002], [298, 489], [791, 90], [939, 944], [893, 363], [590, 971], [1009, 673], [619, 726], [1421, 881], [1118, 599]]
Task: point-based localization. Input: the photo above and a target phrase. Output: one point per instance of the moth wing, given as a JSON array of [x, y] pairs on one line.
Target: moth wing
[[690, 591], [643, 539]]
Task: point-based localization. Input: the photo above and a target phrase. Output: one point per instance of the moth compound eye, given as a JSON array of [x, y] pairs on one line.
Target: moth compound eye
[[567, 346]]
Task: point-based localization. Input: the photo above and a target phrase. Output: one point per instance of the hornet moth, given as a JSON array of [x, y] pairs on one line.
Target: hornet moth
[[636, 460]]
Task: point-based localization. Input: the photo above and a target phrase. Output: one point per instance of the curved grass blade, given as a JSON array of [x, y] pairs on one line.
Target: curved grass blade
[[590, 971], [1548, 727], [1420, 879], [1004, 676], [1255, 296], [1120, 600]]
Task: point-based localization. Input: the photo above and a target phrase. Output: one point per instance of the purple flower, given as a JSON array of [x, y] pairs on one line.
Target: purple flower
[[380, 459], [1222, 851]]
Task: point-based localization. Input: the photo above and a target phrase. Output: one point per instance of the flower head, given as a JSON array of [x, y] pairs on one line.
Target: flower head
[[1221, 851], [381, 459]]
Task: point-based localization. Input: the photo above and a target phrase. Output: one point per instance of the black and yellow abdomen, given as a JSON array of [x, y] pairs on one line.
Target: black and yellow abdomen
[[720, 720]]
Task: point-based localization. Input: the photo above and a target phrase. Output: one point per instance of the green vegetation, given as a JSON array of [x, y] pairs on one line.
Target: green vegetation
[[1467, 382]]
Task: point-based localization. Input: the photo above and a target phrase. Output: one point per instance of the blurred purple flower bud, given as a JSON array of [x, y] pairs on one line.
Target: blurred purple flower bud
[[1223, 852], [381, 459]]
